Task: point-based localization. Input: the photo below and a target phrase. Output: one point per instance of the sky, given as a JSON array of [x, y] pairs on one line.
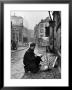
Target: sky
[[31, 18]]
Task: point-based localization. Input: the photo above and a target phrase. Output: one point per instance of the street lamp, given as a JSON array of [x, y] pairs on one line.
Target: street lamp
[[52, 24]]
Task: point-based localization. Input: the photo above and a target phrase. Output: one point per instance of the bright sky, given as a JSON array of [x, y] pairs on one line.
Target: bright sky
[[31, 18]]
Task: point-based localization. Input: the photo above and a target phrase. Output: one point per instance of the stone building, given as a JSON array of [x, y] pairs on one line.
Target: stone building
[[51, 30], [57, 30], [31, 35], [41, 30], [16, 28], [27, 35], [36, 33]]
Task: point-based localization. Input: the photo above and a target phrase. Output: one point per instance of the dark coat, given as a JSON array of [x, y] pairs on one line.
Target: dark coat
[[30, 61]]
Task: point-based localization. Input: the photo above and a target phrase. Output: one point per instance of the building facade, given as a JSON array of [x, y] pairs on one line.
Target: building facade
[[28, 35], [57, 30], [16, 29], [41, 30]]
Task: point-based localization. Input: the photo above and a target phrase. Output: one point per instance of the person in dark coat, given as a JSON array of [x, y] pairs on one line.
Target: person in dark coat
[[31, 61]]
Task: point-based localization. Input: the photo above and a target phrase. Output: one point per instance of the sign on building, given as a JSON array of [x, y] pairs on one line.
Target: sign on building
[[45, 41]]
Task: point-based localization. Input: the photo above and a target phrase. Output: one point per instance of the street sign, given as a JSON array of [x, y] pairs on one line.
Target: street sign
[[45, 38]]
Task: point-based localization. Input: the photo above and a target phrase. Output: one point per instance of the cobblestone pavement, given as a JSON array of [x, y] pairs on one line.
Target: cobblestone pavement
[[49, 74], [17, 68]]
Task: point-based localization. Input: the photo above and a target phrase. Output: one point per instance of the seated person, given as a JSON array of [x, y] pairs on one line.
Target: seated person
[[31, 61]]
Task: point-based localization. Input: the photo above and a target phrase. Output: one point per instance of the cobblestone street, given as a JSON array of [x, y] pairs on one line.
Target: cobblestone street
[[17, 67], [50, 74]]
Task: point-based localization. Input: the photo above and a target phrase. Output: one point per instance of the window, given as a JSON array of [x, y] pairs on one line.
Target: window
[[47, 33], [41, 25], [41, 36], [41, 30]]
